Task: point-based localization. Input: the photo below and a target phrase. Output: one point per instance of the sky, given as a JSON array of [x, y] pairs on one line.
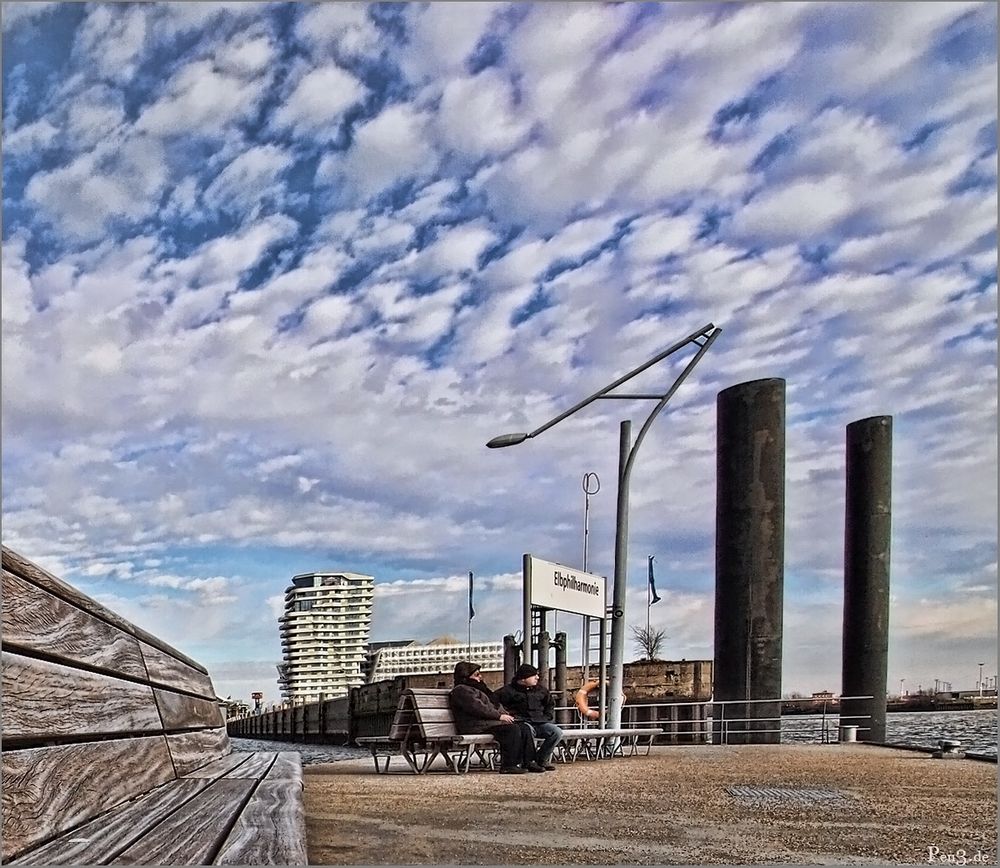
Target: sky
[[273, 275]]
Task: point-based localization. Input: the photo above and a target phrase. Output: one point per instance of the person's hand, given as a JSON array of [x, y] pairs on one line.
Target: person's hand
[[506, 718]]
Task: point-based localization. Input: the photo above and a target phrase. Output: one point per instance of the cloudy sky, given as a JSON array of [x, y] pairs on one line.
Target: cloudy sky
[[273, 275]]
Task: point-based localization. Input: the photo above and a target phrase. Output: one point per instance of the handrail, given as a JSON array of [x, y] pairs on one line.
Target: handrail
[[714, 720]]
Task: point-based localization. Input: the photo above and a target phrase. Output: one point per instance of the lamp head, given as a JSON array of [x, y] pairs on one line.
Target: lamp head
[[506, 440]]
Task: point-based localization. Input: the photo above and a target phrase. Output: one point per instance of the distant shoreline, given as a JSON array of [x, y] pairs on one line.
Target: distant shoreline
[[791, 707]]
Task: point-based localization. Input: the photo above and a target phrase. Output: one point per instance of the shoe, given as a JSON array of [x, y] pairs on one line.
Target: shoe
[[549, 767], [512, 770], [535, 767]]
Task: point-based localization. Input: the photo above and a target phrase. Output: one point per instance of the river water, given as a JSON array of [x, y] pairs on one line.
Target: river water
[[976, 730]]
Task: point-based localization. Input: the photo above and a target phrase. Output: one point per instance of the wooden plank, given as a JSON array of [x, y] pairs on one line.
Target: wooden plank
[[48, 790], [180, 711], [193, 834], [430, 701], [435, 715], [108, 835], [48, 700], [191, 750], [287, 768], [36, 620], [254, 768], [21, 566], [438, 730], [271, 830], [220, 767], [171, 672]]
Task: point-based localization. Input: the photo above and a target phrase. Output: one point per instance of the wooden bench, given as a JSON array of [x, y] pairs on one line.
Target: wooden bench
[[423, 729], [115, 748]]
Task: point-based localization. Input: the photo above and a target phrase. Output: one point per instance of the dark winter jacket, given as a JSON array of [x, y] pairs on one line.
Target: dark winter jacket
[[474, 708], [527, 703]]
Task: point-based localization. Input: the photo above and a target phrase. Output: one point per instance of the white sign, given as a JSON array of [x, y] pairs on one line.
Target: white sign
[[554, 586]]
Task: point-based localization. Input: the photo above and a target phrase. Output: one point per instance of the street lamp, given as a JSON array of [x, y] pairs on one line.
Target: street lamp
[[703, 339]]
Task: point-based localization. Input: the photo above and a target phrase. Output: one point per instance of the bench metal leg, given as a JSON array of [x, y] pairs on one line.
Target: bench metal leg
[[381, 770]]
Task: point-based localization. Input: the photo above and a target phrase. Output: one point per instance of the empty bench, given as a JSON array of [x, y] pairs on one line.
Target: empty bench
[[115, 748], [423, 729]]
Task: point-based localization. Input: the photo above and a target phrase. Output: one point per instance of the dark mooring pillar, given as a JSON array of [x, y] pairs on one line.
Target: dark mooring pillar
[[749, 560], [867, 527]]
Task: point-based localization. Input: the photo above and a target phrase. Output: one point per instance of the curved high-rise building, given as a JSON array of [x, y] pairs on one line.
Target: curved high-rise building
[[324, 634]]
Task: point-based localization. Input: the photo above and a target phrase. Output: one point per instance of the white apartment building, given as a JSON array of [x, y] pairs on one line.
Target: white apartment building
[[324, 634], [386, 660]]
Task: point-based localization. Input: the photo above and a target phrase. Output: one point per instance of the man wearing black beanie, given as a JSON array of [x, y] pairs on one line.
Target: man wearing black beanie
[[533, 704], [476, 711]]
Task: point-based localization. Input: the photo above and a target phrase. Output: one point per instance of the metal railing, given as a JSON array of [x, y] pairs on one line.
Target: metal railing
[[707, 720]]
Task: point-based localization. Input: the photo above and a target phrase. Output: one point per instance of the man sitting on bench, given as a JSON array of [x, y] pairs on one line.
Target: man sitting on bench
[[532, 704], [477, 712]]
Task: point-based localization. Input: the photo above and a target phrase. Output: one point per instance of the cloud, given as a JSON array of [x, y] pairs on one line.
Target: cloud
[[342, 28], [248, 180], [391, 147], [283, 282], [113, 40], [318, 101], [110, 182], [199, 99]]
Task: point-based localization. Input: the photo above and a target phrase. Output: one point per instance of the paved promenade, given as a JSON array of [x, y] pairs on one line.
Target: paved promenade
[[670, 807]]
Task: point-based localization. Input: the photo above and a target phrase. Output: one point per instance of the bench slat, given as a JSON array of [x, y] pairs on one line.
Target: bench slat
[[13, 562], [37, 694], [439, 730], [106, 836], [170, 672], [193, 834], [48, 790], [191, 750], [219, 768], [36, 620], [432, 701], [254, 768], [435, 715], [271, 830], [180, 711], [287, 769]]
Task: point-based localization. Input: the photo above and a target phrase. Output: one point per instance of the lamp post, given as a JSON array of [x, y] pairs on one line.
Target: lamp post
[[703, 339]]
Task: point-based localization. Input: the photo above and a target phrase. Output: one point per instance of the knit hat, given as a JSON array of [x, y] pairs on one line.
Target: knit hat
[[464, 669], [525, 671]]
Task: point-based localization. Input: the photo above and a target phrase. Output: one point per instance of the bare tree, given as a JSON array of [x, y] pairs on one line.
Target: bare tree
[[649, 640]]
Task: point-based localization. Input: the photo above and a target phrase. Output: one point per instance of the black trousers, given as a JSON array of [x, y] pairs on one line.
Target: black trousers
[[517, 743]]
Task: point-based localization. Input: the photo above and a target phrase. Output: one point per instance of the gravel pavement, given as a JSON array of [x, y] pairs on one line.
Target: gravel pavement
[[813, 804]]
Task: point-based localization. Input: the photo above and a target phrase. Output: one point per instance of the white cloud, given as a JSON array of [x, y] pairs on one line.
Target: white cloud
[[113, 40], [389, 148], [30, 138], [16, 13], [442, 36], [797, 211], [344, 28], [200, 99], [110, 182], [242, 185], [477, 115], [319, 100]]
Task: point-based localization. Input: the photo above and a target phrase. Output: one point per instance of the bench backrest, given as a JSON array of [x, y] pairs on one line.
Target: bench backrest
[[94, 709], [422, 714]]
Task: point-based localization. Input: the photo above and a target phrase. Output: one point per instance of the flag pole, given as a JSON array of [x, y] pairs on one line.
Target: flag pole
[[472, 614], [649, 599]]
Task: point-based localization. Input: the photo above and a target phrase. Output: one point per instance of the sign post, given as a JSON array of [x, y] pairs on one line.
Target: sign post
[[550, 585]]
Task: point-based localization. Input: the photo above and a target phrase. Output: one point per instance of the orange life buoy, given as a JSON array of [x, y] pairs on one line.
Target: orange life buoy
[[581, 701]]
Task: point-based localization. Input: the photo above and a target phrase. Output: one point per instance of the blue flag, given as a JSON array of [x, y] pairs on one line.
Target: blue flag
[[472, 612], [652, 584]]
